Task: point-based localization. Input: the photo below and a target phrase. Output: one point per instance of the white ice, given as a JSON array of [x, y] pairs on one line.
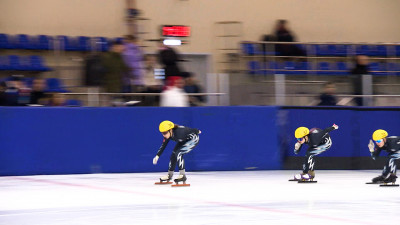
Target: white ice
[[245, 198]]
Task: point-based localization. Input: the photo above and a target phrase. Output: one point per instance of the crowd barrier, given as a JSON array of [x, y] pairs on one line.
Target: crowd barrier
[[41, 140]]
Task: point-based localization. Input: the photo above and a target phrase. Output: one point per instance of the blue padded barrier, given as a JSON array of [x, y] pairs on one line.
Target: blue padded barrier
[[62, 140]]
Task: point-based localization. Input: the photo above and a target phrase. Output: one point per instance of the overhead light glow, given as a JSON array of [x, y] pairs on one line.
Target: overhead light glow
[[172, 42]]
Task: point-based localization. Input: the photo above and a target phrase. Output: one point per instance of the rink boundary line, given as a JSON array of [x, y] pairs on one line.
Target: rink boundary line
[[191, 199]]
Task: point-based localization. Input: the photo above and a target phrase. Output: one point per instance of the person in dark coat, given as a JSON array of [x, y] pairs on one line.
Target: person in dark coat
[[356, 74]]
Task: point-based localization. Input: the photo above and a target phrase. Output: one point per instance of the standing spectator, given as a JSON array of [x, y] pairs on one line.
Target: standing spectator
[[174, 95], [328, 96], [133, 57], [37, 93], [360, 69], [153, 85], [192, 87], [115, 68], [169, 58], [283, 34]]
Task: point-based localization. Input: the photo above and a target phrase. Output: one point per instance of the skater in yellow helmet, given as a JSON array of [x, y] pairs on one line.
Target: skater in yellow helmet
[[186, 139], [318, 141], [392, 146]]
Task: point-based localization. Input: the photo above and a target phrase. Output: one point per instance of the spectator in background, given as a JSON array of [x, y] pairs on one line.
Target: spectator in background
[[153, 85], [192, 87], [174, 95], [114, 68], [328, 96], [16, 93], [57, 99], [133, 57], [356, 75], [283, 34], [3, 88], [38, 91], [168, 57]]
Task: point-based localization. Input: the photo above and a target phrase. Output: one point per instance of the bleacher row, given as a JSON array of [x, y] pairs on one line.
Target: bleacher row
[[320, 68], [59, 42], [52, 84], [23, 63], [334, 50]]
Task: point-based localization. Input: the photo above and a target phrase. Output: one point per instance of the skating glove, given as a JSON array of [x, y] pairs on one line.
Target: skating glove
[[297, 148], [335, 126], [155, 159], [371, 146]]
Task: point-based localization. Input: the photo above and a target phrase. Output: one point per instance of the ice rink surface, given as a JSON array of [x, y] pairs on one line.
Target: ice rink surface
[[245, 198]]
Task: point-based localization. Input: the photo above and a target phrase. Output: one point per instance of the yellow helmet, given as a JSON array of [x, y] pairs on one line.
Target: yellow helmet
[[379, 134], [301, 132], [166, 126]]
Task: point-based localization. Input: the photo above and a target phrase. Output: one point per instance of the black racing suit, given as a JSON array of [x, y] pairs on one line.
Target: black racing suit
[[318, 142], [186, 139], [392, 147]]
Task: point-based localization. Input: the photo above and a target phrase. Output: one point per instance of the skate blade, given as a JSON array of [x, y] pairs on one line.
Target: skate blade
[[180, 185], [169, 182], [293, 180], [373, 183], [388, 185], [307, 181]]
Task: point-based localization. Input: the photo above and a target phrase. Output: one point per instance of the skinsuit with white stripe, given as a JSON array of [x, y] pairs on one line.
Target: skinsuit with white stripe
[[318, 142], [186, 139]]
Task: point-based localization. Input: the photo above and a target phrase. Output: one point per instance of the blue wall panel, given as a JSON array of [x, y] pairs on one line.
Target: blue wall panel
[[342, 139], [85, 140], [370, 121], [356, 126]]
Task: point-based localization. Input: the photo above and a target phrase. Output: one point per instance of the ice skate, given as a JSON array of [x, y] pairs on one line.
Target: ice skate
[[377, 180], [297, 177], [308, 177], [389, 181], [165, 180], [181, 178]]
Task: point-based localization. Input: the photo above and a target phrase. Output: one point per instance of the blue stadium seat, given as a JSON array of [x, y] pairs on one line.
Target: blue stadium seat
[[276, 68], [342, 68], [23, 42], [393, 69], [397, 50], [248, 49], [4, 65], [6, 42], [303, 67], [73, 103], [289, 67], [14, 63], [65, 43], [363, 50], [101, 44], [55, 85], [83, 43], [322, 50], [36, 63], [254, 67], [44, 42], [378, 68], [324, 68], [377, 50], [341, 50]]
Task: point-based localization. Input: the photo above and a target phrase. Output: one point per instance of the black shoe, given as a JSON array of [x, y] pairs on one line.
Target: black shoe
[[181, 178], [165, 178], [390, 179], [378, 179]]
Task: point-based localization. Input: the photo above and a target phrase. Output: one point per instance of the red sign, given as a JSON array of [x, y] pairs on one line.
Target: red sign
[[175, 31]]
